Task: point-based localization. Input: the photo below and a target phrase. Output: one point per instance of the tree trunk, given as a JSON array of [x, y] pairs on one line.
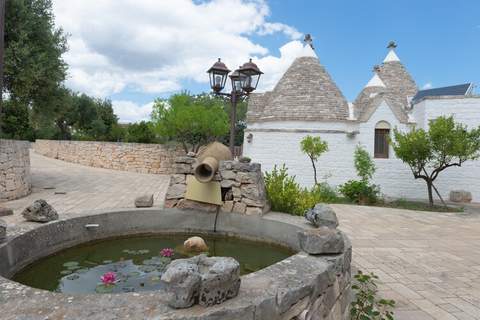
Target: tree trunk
[[430, 194], [314, 171]]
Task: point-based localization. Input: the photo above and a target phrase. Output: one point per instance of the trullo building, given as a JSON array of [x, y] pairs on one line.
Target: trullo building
[[306, 101]]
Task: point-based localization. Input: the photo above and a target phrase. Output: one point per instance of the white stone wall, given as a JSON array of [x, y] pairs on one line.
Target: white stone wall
[[279, 142], [135, 157], [15, 181]]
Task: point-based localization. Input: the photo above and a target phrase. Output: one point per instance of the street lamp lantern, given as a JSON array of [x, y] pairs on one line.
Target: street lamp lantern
[[237, 79], [218, 76], [244, 80], [251, 75]]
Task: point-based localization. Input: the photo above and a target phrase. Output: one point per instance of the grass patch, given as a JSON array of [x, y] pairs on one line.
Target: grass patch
[[417, 205]]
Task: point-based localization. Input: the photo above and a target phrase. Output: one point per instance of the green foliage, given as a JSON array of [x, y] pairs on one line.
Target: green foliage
[[363, 164], [313, 147], [141, 132], [285, 194], [428, 153], [34, 68], [367, 305], [359, 191], [282, 190], [189, 120], [15, 124]]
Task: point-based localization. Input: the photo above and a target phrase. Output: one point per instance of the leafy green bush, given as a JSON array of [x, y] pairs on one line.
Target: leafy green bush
[[285, 194], [367, 306], [359, 191], [282, 190], [363, 164]]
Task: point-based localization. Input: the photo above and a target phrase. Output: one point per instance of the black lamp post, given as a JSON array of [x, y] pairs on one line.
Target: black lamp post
[[244, 80]]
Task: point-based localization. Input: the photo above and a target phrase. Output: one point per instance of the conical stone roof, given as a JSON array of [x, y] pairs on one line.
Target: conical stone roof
[[398, 88], [306, 92]]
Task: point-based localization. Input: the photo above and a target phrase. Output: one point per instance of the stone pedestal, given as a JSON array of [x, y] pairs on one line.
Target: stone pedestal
[[242, 184]]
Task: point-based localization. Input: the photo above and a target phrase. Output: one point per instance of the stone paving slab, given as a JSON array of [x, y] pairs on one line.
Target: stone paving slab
[[428, 262]]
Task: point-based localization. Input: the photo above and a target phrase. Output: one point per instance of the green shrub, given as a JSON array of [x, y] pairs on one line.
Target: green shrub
[[282, 190], [285, 195], [360, 191], [367, 305], [363, 164]]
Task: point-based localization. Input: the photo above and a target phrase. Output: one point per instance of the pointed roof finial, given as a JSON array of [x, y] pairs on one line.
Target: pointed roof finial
[[309, 40], [391, 45]]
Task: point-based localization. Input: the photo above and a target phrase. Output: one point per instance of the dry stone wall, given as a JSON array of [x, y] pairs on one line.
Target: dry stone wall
[[242, 184], [15, 179], [134, 157]]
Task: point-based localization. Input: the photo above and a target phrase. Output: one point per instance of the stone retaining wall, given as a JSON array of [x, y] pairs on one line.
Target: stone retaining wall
[[14, 169], [134, 157]]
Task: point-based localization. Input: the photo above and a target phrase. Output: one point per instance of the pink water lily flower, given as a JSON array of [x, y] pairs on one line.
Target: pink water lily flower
[[108, 278], [167, 252]]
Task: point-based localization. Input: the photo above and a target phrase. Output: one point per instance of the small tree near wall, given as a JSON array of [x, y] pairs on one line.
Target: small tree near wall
[[313, 147], [428, 153]]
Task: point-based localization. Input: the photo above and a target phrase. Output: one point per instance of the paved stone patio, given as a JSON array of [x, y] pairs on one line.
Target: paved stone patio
[[428, 262]]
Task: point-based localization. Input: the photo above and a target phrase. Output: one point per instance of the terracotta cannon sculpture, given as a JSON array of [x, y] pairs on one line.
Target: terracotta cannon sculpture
[[208, 161]]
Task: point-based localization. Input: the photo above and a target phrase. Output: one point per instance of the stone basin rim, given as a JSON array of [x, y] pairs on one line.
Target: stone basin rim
[[26, 247]]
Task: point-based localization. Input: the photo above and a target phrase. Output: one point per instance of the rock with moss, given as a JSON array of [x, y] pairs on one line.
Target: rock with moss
[[40, 211]]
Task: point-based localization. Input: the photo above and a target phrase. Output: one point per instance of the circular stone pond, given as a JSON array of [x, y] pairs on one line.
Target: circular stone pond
[[52, 271], [137, 262]]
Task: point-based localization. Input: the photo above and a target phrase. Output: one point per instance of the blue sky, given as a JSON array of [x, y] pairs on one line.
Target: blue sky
[[166, 46]]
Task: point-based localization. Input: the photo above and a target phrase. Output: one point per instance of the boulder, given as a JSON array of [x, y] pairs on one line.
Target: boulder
[[321, 241], [3, 230], [177, 179], [195, 244], [220, 281], [40, 211], [239, 207], [5, 212], [182, 279], [201, 279], [460, 196], [145, 201], [322, 216]]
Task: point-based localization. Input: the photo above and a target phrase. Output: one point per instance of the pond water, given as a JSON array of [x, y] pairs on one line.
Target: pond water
[[137, 263]]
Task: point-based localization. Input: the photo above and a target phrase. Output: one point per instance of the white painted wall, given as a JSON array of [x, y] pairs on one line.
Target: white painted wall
[[336, 166]]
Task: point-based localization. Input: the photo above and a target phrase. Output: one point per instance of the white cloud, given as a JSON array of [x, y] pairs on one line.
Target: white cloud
[[427, 85], [150, 46], [128, 111]]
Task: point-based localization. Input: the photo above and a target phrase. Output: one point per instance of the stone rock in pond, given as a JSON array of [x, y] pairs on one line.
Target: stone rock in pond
[[183, 280], [201, 279], [321, 241], [40, 211], [322, 216], [3, 230], [220, 282], [145, 201], [195, 244], [5, 212]]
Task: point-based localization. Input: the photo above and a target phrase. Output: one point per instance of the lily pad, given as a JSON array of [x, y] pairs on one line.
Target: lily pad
[[84, 270], [147, 269], [107, 261], [70, 264], [102, 288], [65, 272], [72, 268], [133, 274]]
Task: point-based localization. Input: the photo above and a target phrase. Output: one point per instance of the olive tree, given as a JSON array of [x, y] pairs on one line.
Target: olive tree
[[189, 120], [313, 147], [445, 144]]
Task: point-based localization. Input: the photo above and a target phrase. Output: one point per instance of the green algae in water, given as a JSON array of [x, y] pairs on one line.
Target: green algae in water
[[136, 262]]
